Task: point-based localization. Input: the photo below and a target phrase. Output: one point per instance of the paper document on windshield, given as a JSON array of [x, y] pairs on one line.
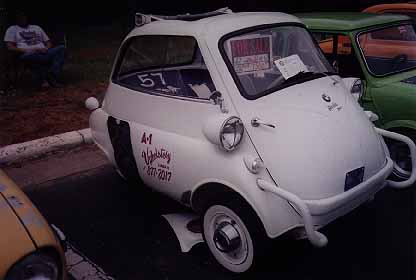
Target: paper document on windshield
[[290, 66]]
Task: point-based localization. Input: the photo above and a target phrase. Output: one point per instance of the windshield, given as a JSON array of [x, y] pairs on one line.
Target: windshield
[[389, 50], [268, 59]]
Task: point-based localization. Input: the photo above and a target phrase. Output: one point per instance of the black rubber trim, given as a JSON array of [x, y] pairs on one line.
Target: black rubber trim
[[120, 137]]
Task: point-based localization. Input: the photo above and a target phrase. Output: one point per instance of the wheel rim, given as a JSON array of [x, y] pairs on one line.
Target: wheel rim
[[228, 238]]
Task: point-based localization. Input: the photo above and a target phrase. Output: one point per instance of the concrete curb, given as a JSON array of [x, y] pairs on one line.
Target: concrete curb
[[17, 152]]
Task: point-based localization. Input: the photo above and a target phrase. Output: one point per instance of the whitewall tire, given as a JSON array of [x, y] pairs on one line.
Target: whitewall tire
[[231, 232]]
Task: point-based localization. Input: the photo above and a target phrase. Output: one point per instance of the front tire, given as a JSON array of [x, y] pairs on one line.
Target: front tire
[[234, 235]]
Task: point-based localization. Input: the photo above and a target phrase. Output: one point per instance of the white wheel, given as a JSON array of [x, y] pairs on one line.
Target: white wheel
[[228, 238]]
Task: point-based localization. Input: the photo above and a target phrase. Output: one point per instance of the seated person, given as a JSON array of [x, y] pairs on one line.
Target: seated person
[[32, 45]]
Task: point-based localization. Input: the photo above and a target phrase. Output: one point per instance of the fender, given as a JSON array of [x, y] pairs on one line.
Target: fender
[[397, 124], [265, 206]]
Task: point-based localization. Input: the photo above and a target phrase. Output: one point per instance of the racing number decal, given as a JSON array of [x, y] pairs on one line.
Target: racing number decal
[[148, 82], [157, 160]]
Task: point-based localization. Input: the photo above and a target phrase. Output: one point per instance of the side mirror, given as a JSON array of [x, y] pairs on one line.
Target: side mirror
[[217, 99]]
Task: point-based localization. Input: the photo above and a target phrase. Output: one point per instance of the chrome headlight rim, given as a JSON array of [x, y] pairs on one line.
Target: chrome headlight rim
[[229, 123]]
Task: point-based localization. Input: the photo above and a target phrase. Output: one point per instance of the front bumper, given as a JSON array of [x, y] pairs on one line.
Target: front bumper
[[316, 213]]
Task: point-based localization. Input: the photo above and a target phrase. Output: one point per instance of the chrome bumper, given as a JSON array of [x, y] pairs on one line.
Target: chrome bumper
[[309, 208]]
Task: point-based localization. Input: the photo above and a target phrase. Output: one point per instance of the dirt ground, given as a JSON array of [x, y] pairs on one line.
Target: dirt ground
[[27, 114], [49, 112]]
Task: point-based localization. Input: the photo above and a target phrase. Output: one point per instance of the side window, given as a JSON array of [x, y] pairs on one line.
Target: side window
[[329, 42], [170, 65], [339, 52], [325, 41], [400, 33]]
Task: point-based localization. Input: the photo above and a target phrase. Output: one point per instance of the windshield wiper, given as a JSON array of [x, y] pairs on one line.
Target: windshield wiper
[[301, 75], [329, 75]]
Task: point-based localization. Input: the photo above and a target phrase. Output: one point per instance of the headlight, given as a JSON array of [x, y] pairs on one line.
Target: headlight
[[231, 133], [37, 266]]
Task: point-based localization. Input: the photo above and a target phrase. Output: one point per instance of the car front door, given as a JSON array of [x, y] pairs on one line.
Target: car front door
[[164, 86]]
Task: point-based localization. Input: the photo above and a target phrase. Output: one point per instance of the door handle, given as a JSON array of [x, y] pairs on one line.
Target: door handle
[[255, 122]]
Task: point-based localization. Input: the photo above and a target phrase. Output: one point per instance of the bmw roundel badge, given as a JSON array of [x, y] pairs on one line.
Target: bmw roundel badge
[[326, 98]]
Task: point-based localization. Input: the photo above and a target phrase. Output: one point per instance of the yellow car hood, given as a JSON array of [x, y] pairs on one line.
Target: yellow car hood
[[29, 215], [15, 242], [22, 228]]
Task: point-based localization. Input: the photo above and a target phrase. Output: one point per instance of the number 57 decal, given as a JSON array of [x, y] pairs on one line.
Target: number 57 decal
[[147, 80]]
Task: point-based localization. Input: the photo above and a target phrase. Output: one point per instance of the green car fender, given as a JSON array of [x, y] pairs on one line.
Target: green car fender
[[400, 125], [394, 103]]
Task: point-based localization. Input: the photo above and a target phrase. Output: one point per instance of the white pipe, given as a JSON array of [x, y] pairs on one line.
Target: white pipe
[[315, 237], [412, 148]]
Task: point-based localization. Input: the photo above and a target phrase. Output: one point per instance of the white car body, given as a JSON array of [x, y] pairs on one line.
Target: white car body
[[306, 156]]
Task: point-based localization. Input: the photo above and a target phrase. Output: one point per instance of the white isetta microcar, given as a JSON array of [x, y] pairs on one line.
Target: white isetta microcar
[[239, 117]]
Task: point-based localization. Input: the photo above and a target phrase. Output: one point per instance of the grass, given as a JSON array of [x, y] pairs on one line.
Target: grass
[[91, 53]]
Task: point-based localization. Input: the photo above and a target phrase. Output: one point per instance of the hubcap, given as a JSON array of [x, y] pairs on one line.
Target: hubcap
[[226, 237]]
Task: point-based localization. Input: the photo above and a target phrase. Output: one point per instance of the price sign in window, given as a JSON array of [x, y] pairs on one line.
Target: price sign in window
[[251, 54]]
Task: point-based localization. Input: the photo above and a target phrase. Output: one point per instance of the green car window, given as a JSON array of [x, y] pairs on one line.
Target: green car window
[[389, 50]]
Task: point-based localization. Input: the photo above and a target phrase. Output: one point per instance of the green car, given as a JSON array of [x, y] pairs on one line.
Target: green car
[[381, 51]]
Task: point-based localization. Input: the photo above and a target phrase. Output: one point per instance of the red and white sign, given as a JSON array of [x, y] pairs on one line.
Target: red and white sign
[[251, 54]]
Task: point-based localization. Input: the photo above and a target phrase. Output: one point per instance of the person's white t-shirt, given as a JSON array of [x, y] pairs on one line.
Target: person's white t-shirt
[[27, 38]]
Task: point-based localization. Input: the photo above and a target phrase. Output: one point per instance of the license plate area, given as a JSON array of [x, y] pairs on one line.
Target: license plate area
[[354, 178]]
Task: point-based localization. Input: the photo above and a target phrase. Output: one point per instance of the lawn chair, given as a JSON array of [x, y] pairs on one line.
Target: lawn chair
[[14, 68]]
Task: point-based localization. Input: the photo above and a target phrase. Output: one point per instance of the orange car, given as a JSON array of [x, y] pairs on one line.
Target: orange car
[[402, 39], [408, 9], [343, 44]]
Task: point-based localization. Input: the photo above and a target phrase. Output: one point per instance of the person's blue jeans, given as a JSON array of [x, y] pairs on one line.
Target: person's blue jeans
[[42, 64]]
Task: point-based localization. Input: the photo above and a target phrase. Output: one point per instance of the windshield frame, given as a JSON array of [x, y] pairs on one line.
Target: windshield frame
[[221, 46], [361, 52]]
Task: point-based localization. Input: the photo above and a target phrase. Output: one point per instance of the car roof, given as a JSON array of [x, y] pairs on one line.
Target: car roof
[[392, 6], [210, 26], [347, 21]]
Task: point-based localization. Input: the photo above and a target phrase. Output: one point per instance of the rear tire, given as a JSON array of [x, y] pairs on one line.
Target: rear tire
[[234, 234]]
